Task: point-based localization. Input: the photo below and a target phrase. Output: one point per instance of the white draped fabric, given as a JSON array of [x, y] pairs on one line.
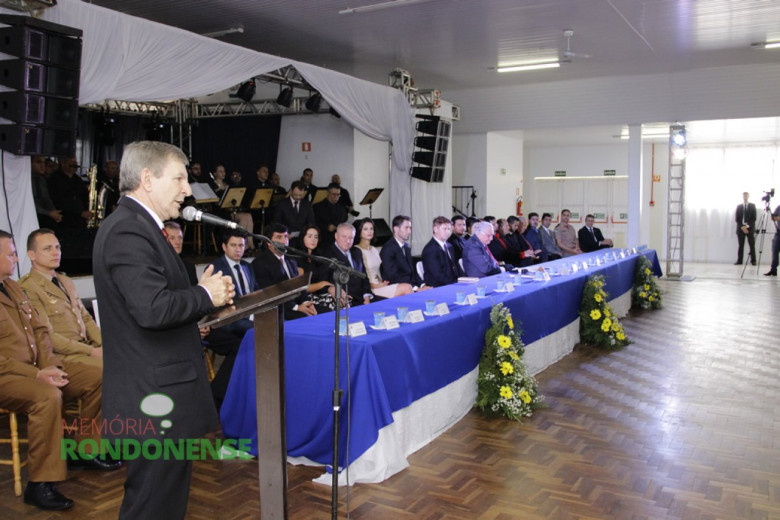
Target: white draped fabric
[[128, 58], [17, 204]]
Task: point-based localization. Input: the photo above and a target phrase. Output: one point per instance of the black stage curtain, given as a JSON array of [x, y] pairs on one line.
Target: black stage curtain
[[238, 143]]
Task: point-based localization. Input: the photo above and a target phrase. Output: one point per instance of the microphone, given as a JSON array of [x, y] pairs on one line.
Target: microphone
[[194, 215]]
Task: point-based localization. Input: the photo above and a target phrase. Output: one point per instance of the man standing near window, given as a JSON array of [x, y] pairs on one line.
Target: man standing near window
[[746, 227]]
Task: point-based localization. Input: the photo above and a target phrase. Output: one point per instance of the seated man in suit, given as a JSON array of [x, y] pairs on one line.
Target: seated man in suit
[[440, 266], [231, 264], [272, 266], [591, 238], [549, 244], [532, 235], [295, 212], [221, 340], [74, 334], [397, 263], [358, 289], [458, 237], [328, 214], [478, 262], [35, 382]]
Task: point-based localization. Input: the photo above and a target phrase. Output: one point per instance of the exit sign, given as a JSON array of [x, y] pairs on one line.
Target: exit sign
[[560, 173], [609, 172]]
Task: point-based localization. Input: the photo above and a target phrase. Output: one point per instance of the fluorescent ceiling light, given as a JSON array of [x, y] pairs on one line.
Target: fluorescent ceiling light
[[766, 45], [532, 66], [382, 5]]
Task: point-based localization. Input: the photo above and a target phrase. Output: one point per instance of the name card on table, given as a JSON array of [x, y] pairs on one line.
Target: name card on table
[[415, 316], [390, 322], [357, 329], [509, 287], [471, 299], [441, 309]]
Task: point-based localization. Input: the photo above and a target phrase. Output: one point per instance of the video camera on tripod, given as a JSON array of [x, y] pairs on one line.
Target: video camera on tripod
[[768, 196]]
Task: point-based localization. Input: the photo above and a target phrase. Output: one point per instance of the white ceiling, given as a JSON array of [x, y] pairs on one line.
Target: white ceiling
[[456, 44]]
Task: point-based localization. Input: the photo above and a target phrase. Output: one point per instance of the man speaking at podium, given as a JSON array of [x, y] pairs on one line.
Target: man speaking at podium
[[151, 344]]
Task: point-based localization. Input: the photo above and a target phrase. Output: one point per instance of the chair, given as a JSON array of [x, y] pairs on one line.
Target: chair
[[420, 270], [208, 355], [15, 460]]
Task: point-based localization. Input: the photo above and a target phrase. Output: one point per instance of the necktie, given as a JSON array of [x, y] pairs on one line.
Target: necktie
[[495, 262], [240, 277], [448, 250], [295, 205], [408, 254], [592, 232], [349, 259], [2, 290], [744, 214], [56, 282], [285, 270]]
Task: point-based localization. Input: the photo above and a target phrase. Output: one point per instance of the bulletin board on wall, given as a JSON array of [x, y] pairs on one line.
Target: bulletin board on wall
[[606, 198]]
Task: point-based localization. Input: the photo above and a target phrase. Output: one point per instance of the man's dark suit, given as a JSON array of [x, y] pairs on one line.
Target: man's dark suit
[[267, 270], [148, 312], [457, 244], [357, 287], [237, 328], [441, 268], [296, 221], [326, 214], [397, 264], [750, 220], [590, 241], [477, 261], [533, 236]]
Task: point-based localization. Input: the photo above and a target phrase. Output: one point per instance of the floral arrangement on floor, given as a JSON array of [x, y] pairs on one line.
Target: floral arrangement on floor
[[646, 294], [598, 324], [503, 385]]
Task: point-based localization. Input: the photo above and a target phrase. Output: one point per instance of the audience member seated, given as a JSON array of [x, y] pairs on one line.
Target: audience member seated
[[533, 237], [549, 244], [37, 383], [440, 266], [499, 247], [458, 237], [470, 221], [74, 334], [519, 245], [566, 235], [231, 264], [396, 254], [358, 289], [372, 262], [478, 262], [48, 215], [591, 238], [220, 340], [328, 214], [272, 266], [70, 194], [344, 199], [219, 183], [295, 212], [320, 289], [306, 180]]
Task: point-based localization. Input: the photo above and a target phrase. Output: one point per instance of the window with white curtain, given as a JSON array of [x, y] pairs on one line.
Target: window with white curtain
[[715, 177]]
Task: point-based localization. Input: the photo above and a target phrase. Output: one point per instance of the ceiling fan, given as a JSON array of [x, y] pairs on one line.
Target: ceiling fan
[[568, 54]]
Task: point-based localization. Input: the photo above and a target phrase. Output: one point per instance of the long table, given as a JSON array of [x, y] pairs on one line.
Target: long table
[[408, 385]]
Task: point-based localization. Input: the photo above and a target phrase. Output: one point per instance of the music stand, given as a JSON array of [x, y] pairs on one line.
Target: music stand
[[319, 196], [370, 198], [267, 307], [261, 200], [232, 198], [203, 193]]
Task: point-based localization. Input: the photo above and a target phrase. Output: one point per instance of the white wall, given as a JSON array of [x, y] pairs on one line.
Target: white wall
[[331, 149], [371, 167], [504, 172], [469, 165]]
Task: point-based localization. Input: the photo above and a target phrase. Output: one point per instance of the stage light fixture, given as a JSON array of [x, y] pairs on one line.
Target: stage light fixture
[[677, 136], [246, 91], [314, 101], [285, 97]]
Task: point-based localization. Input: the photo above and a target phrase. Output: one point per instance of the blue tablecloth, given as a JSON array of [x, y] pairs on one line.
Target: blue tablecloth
[[388, 370]]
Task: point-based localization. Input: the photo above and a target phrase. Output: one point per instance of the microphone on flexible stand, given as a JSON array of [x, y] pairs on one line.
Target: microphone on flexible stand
[[192, 214]]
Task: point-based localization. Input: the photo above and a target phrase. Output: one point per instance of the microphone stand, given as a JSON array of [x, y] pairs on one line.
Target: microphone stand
[[341, 277]]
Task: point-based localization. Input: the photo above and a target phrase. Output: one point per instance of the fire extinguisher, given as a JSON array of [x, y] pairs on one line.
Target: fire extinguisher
[[519, 212]]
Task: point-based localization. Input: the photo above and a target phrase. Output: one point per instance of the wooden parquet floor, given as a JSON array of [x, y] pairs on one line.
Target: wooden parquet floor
[[682, 424]]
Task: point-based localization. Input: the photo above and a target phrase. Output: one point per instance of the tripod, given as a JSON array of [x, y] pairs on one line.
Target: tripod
[[761, 228]]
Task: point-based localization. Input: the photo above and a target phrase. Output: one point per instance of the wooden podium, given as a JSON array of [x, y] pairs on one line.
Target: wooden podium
[[267, 307]]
